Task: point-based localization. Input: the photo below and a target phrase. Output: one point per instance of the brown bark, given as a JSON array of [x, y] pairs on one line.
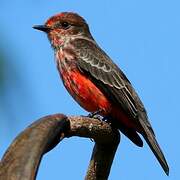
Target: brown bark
[[22, 158]]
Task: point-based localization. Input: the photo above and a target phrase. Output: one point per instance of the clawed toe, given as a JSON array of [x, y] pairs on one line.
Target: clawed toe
[[94, 114]]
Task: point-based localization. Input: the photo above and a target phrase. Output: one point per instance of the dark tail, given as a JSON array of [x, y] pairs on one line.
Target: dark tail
[[153, 144], [132, 135]]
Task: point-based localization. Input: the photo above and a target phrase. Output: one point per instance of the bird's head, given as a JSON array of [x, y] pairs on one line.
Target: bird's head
[[63, 26]]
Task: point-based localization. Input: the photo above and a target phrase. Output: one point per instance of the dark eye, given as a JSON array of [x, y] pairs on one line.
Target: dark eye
[[65, 25]]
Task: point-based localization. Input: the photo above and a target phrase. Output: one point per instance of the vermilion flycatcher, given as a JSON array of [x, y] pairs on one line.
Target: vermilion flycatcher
[[95, 82]]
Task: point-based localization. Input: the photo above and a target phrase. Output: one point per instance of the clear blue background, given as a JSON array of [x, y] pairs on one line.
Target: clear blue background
[[142, 37]]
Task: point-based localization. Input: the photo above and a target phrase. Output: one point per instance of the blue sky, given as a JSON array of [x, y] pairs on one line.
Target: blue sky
[[142, 37]]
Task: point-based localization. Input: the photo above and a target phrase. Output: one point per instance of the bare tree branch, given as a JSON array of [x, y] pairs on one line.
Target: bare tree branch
[[22, 159]]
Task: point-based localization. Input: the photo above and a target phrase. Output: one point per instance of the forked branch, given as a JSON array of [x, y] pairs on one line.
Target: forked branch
[[22, 159]]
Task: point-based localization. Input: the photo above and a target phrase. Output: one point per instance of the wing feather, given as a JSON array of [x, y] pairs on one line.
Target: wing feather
[[93, 61], [100, 68], [98, 65]]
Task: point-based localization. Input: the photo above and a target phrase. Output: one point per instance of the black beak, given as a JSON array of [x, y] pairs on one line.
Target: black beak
[[43, 28]]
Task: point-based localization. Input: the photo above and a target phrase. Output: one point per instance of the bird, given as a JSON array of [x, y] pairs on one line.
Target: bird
[[95, 82]]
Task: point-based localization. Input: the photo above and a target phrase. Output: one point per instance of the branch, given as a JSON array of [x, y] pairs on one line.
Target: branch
[[22, 159]]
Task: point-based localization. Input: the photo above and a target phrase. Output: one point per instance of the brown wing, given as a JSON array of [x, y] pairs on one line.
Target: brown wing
[[107, 76], [92, 60]]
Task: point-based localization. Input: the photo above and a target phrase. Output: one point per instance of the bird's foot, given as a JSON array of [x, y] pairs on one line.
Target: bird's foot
[[96, 115], [93, 114]]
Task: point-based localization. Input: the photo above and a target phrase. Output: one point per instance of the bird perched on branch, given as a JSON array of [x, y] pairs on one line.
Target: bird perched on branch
[[96, 82]]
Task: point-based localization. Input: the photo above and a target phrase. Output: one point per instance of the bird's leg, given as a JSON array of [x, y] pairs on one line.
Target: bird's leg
[[92, 114], [96, 115]]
